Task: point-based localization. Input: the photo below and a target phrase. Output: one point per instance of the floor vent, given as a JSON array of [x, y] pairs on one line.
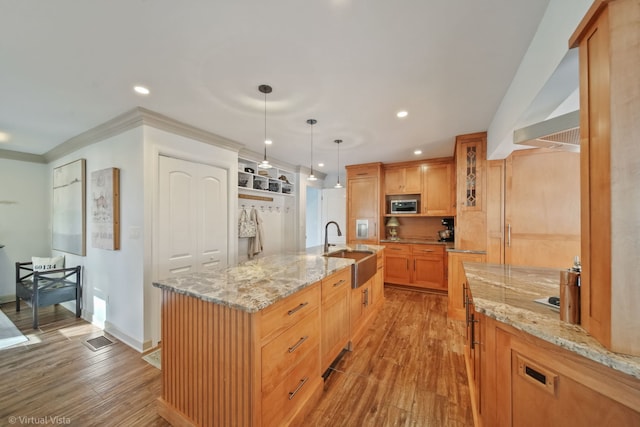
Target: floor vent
[[98, 342]]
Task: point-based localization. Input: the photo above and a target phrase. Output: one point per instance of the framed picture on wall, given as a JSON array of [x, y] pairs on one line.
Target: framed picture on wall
[[69, 222], [105, 209]]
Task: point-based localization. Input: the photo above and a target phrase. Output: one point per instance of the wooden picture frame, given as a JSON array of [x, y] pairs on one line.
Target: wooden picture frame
[[105, 209], [69, 219]]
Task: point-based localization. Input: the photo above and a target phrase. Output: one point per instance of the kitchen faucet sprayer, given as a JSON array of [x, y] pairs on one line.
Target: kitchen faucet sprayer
[[326, 235]]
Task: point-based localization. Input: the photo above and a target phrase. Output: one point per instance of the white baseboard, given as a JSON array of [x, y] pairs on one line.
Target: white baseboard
[[139, 346]]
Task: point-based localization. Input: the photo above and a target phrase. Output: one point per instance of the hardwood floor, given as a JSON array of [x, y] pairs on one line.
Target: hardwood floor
[[55, 379], [407, 371]]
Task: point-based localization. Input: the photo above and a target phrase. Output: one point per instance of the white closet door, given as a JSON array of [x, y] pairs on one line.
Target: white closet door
[[192, 216]]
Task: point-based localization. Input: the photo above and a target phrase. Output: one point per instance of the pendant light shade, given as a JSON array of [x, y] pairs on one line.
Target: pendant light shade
[[312, 122], [265, 163], [338, 185]]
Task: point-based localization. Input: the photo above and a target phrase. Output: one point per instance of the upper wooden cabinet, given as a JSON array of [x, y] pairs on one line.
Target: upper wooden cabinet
[[364, 203], [608, 38], [405, 179], [438, 194], [471, 221]]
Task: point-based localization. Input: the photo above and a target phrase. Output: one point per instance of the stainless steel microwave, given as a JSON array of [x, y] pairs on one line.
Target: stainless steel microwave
[[404, 206]]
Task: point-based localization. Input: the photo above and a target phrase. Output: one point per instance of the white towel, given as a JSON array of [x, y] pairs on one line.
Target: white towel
[[255, 243]]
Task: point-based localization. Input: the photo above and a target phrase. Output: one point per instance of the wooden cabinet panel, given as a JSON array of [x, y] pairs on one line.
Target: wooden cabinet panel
[[336, 291], [281, 315], [285, 351], [608, 39], [421, 266], [438, 197], [363, 203], [286, 399], [542, 219], [457, 282], [471, 216], [403, 180]]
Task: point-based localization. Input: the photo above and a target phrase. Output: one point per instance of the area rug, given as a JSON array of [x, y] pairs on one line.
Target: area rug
[[9, 334], [154, 358]]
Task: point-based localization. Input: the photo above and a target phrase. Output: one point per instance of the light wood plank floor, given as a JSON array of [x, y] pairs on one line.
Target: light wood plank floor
[[407, 371]]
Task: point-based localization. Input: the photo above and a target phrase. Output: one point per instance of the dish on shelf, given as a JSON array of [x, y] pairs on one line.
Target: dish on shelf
[[249, 170]]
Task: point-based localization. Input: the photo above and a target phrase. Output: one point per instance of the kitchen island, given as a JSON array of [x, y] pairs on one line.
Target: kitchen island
[[527, 367], [243, 345]]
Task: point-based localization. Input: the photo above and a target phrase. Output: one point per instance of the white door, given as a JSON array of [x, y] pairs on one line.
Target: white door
[[193, 229], [334, 208]]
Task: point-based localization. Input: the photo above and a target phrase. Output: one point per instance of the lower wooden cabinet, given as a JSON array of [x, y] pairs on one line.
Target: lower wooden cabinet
[[516, 379], [417, 265], [336, 292]]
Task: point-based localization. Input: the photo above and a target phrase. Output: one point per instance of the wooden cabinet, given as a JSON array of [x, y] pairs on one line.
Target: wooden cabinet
[[542, 208], [457, 282], [608, 39], [231, 367], [367, 300], [471, 216], [403, 179], [336, 291], [438, 195], [364, 206], [533, 383], [416, 265]]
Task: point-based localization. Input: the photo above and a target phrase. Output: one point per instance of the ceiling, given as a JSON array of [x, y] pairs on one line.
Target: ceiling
[[68, 66]]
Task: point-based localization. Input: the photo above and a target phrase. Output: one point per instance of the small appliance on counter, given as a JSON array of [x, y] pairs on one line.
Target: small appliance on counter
[[447, 235]]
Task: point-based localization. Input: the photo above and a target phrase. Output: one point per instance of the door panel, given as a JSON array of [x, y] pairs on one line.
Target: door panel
[[192, 216]]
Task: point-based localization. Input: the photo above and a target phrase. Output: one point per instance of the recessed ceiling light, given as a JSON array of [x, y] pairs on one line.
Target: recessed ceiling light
[[417, 152], [141, 90], [268, 141], [4, 137], [320, 165], [402, 114]]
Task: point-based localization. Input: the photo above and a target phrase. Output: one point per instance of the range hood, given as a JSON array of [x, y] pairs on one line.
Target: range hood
[[561, 132]]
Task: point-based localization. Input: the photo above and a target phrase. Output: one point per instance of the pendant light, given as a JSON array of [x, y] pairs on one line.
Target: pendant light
[[338, 185], [312, 122], [265, 163]]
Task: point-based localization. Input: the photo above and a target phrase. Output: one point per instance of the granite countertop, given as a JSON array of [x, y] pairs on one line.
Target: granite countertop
[[507, 293], [255, 284]]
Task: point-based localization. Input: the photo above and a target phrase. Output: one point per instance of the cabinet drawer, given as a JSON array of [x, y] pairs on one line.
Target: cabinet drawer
[[282, 354], [420, 250], [278, 317], [336, 283], [397, 249], [286, 398]]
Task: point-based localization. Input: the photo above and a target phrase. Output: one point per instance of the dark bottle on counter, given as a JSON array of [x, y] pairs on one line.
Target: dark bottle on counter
[[570, 293]]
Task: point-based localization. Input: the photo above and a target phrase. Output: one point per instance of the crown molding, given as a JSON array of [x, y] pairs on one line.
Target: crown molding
[[23, 157], [132, 119]]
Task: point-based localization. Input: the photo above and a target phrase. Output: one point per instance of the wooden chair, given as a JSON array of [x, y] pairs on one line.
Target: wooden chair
[[43, 288]]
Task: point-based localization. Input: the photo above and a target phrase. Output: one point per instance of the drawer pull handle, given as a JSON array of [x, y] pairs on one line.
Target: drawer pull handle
[[395, 249], [339, 283], [538, 376], [428, 250], [302, 382], [300, 307], [298, 344]]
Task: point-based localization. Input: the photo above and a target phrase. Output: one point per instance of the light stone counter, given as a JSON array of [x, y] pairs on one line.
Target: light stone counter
[[507, 293], [253, 285]]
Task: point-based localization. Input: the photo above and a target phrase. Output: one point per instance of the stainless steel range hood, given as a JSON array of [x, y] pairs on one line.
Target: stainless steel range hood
[[561, 132]]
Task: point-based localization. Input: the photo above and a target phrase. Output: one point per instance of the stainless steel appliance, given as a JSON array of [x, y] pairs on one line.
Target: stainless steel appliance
[[404, 206]]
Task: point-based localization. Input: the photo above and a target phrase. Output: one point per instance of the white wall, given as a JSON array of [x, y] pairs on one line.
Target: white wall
[[25, 207], [113, 294]]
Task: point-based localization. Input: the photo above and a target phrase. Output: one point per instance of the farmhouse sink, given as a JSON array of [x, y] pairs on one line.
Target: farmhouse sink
[[363, 269]]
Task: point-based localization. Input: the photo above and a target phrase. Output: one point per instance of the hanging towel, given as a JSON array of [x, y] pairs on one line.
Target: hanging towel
[[255, 242], [246, 227]]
